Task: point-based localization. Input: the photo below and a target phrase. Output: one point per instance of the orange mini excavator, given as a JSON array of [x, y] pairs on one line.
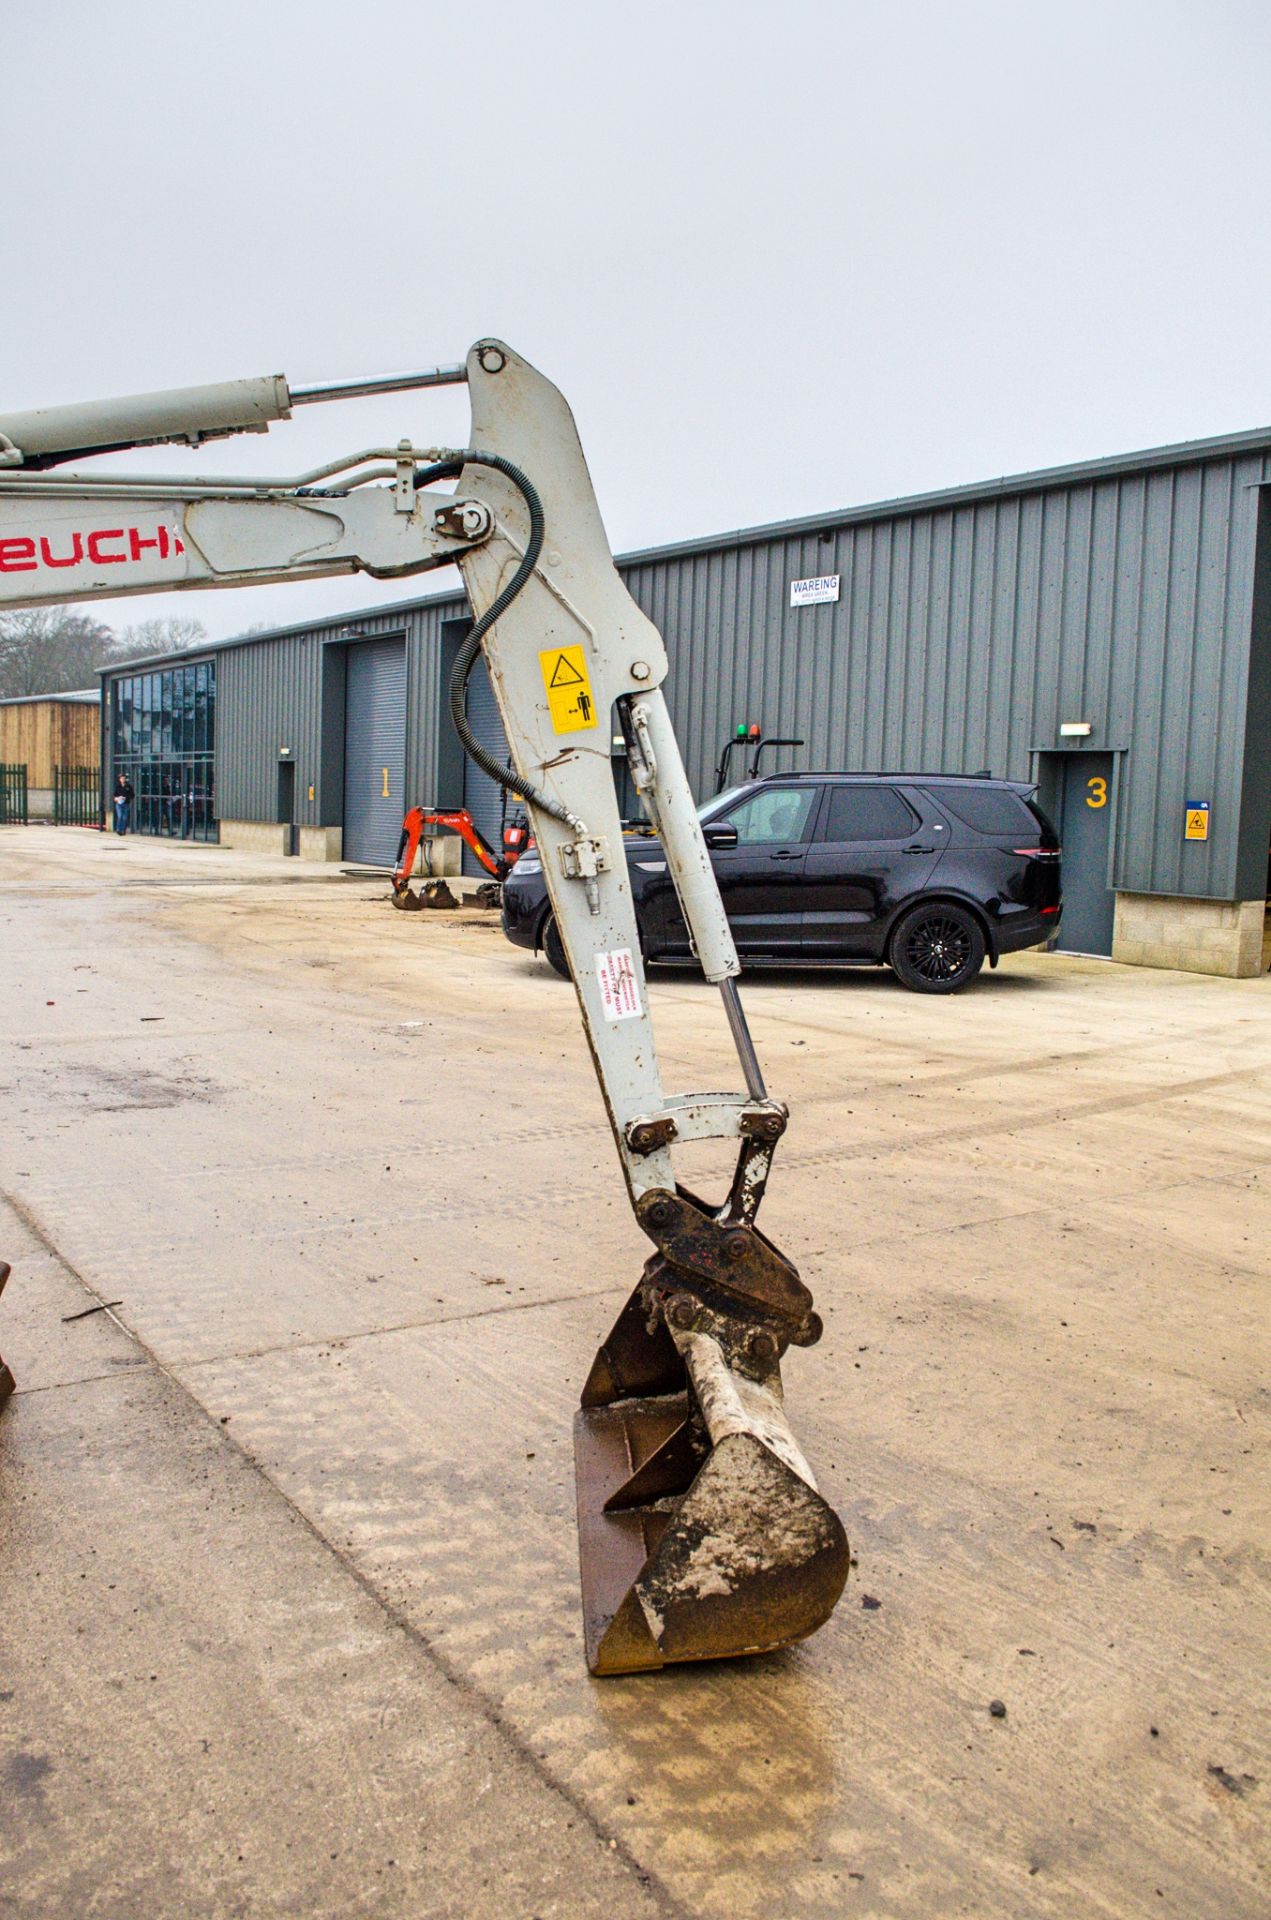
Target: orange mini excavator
[[516, 836]]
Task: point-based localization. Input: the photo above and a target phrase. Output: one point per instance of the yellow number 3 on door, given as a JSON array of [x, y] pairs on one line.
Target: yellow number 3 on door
[[1098, 794]]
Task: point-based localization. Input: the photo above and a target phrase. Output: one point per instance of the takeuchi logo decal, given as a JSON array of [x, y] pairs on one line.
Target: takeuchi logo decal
[[102, 547]]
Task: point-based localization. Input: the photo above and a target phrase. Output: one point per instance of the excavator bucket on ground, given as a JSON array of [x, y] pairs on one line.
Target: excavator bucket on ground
[[701, 1531], [433, 893]]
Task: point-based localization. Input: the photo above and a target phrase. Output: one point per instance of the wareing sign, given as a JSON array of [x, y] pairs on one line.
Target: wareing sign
[[814, 593]]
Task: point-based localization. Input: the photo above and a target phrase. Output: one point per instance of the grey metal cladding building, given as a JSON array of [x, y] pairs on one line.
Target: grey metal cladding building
[[1102, 629]]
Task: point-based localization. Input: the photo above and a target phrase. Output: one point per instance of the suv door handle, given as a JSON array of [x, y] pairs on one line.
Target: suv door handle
[[789, 853], [919, 846]]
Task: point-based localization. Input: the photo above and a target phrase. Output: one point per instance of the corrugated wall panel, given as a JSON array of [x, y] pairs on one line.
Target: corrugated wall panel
[[964, 635], [268, 696], [966, 631]]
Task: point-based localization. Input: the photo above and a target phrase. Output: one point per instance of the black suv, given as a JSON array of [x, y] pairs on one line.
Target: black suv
[[925, 873]]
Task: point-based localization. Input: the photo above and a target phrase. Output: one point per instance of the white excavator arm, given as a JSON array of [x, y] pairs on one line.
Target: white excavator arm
[[701, 1530]]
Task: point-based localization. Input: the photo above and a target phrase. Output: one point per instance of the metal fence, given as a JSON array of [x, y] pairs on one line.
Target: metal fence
[[76, 796], [13, 796]]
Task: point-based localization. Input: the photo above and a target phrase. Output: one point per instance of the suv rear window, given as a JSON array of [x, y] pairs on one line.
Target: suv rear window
[[868, 813], [989, 809]]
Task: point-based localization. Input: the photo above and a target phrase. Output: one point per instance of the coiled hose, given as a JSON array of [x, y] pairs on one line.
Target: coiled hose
[[466, 657]]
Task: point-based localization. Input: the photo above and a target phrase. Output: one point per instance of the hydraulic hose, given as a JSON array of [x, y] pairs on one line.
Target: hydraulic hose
[[466, 657]]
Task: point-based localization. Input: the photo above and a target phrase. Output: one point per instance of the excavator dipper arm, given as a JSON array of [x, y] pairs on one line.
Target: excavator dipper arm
[[702, 1533]]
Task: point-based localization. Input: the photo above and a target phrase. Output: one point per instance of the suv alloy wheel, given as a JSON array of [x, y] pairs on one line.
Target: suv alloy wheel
[[937, 947]]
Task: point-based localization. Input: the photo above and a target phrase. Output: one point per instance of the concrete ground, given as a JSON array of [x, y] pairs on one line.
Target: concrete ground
[[289, 1620]]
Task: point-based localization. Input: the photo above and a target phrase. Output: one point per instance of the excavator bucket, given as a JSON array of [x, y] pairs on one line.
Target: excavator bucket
[[433, 893], [701, 1532]]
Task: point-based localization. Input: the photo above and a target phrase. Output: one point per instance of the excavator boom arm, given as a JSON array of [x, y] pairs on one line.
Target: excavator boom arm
[[737, 1551]]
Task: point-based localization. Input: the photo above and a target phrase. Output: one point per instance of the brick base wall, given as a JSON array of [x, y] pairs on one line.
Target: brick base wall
[[263, 836], [321, 843], [251, 836], [1196, 936]]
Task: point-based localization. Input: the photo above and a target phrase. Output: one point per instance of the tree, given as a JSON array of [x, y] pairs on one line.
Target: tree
[[170, 634], [54, 650], [51, 650]]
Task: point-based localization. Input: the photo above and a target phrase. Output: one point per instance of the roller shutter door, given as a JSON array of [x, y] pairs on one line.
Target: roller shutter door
[[374, 751], [481, 795]]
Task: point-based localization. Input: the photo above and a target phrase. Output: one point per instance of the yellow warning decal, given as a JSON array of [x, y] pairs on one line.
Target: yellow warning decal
[[569, 695], [1197, 822]]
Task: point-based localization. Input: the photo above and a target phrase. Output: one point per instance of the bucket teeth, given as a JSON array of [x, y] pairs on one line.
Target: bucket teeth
[[701, 1532]]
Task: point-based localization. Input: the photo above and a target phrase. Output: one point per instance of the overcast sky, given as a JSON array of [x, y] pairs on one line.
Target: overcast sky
[[781, 258]]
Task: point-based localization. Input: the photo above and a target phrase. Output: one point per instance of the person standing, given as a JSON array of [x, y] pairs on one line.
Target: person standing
[[124, 792]]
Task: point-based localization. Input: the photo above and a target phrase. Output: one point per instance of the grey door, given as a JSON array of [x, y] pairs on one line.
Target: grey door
[[374, 751], [287, 806], [482, 796], [1085, 815]]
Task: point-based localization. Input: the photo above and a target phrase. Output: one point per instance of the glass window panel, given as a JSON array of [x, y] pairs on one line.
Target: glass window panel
[[994, 810], [868, 813], [162, 730], [773, 815]]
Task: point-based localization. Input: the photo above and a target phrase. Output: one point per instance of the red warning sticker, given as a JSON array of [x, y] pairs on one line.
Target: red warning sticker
[[619, 994]]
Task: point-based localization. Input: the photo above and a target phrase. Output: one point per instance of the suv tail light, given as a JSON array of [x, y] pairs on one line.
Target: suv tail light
[[1038, 853]]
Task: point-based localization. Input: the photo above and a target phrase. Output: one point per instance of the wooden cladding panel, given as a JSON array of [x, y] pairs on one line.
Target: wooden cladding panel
[[43, 734]]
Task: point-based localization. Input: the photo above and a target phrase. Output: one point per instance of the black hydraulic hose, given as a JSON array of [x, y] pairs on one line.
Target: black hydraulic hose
[[466, 657]]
